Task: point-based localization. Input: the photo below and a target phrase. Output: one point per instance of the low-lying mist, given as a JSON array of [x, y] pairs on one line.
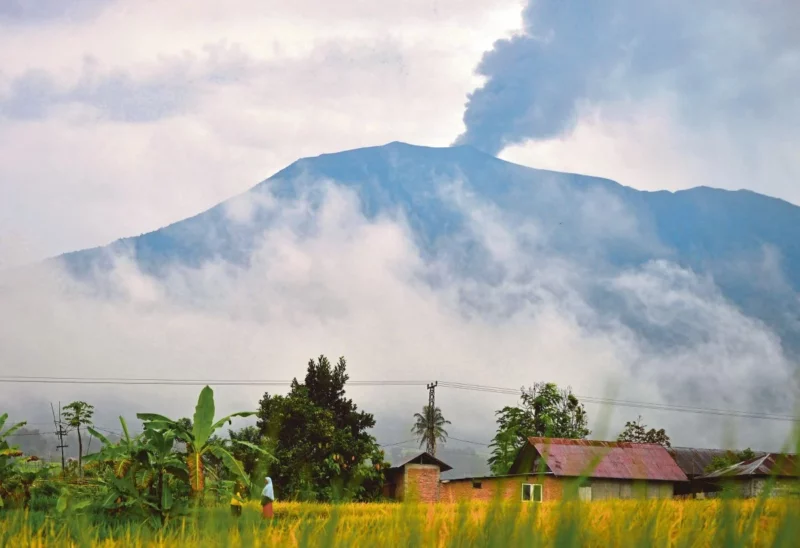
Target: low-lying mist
[[497, 306]]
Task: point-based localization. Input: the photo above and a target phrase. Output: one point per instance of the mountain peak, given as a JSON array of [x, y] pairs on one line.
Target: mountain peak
[[439, 189]]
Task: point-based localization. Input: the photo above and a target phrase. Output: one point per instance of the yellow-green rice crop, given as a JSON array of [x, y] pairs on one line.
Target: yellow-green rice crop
[[672, 523]]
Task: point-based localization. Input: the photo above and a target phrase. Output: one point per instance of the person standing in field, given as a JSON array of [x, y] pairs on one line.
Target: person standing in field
[[236, 503], [267, 498]]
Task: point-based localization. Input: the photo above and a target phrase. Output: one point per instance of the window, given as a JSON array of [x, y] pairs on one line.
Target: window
[[532, 492], [476, 485]]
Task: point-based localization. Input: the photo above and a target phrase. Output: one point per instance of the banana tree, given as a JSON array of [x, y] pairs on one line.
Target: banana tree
[[198, 438], [119, 455], [7, 452], [144, 474], [5, 449]]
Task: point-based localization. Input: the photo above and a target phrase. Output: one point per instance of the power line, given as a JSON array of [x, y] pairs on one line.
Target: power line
[[106, 430], [182, 382], [392, 383], [626, 403], [398, 443], [37, 432], [468, 441]]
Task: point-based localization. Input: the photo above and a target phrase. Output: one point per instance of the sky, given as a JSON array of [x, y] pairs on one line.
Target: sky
[[120, 117]]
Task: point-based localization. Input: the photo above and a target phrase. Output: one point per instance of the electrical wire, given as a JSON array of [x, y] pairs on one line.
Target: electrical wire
[[627, 403], [398, 443], [181, 382], [391, 383], [468, 441]]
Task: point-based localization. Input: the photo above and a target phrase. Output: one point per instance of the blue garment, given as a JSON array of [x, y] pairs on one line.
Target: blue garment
[[267, 491]]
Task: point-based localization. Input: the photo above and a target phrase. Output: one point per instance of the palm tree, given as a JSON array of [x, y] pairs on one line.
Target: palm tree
[[429, 427]]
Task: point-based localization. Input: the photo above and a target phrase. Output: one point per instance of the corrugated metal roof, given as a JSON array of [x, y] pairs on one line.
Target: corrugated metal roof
[[498, 477], [608, 459], [771, 464], [694, 462], [421, 458]]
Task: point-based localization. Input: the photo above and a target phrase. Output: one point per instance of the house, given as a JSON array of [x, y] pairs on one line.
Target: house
[[694, 463], [415, 478], [750, 477], [546, 468]]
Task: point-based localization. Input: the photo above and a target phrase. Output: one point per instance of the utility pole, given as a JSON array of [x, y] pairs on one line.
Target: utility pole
[[431, 441], [60, 432]]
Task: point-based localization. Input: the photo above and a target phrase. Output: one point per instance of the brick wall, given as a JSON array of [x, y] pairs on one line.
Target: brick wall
[[508, 488], [421, 483]]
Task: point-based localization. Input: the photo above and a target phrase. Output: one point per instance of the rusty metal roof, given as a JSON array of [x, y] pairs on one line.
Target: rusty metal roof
[[422, 458], [607, 459], [694, 462], [771, 464]]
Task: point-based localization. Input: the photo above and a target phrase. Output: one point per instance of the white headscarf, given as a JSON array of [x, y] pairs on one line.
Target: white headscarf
[[268, 492]]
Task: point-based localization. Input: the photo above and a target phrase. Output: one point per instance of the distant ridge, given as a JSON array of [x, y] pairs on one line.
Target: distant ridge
[[731, 236]]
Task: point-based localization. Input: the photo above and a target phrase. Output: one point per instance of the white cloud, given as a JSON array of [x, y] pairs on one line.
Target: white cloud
[[355, 287], [641, 144]]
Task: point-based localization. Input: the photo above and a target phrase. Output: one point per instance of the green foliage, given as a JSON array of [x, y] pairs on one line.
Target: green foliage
[[636, 432], [729, 459], [252, 450], [8, 457], [142, 476], [44, 495], [429, 426], [197, 435], [544, 411], [513, 427], [322, 446], [76, 415]]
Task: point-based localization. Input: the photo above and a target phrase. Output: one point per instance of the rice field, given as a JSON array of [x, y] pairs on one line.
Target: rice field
[[768, 522]]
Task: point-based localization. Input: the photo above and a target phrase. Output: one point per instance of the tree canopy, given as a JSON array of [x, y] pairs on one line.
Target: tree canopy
[[636, 432], [545, 410], [320, 439], [77, 414], [730, 458]]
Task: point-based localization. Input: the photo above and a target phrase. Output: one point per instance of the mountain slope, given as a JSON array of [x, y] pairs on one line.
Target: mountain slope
[[747, 243]]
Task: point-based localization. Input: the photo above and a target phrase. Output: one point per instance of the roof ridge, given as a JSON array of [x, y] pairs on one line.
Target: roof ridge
[[613, 460], [592, 443]]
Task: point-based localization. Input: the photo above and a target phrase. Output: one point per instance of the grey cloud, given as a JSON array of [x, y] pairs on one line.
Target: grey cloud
[[30, 96], [36, 11], [175, 83], [729, 63], [117, 95]]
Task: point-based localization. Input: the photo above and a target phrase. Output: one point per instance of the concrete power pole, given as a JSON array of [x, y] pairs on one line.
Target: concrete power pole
[[60, 432], [430, 446]]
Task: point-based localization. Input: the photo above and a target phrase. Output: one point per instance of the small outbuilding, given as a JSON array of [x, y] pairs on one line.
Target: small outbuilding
[[750, 477], [415, 478], [694, 463]]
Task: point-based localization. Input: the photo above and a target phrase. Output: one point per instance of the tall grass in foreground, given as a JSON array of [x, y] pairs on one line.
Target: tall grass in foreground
[[728, 523]]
